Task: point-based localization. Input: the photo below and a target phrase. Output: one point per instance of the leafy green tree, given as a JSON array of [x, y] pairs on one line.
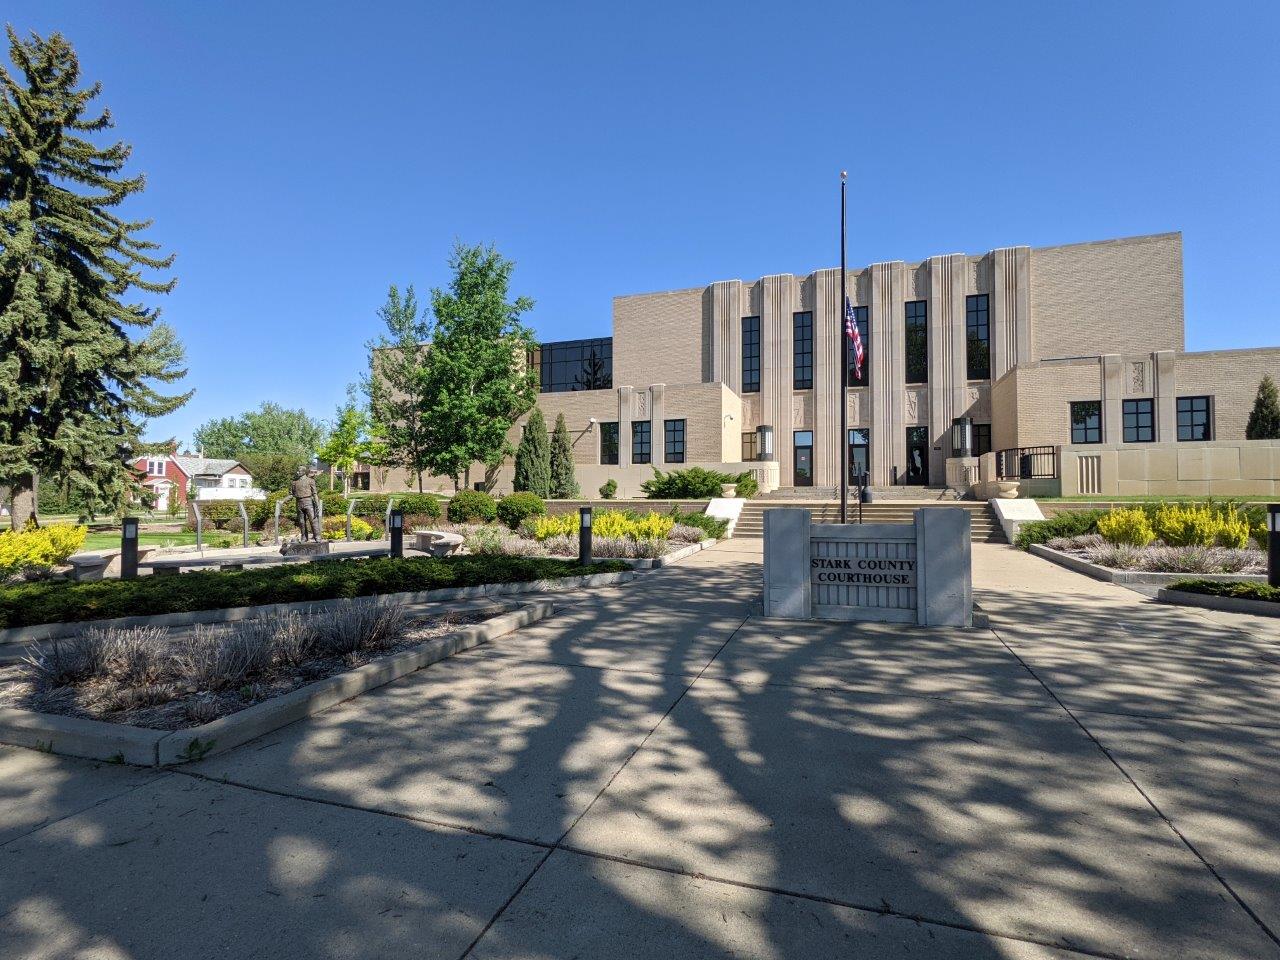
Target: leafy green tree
[[564, 485], [346, 441], [1264, 419], [81, 360], [398, 388], [478, 381], [272, 442], [533, 457]]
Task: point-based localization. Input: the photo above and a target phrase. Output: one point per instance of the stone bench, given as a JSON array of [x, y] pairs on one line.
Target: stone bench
[[91, 565], [437, 543]]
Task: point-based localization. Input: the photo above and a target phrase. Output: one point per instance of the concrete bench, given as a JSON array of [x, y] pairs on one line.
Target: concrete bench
[[91, 565], [437, 543]]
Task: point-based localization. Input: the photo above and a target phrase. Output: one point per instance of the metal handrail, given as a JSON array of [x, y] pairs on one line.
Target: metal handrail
[[1027, 463], [195, 505]]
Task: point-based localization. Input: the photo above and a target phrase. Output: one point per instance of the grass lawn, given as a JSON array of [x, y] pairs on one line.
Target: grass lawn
[[27, 604], [110, 539]]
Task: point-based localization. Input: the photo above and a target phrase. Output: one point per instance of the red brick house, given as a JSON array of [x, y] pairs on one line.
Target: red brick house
[[171, 477]]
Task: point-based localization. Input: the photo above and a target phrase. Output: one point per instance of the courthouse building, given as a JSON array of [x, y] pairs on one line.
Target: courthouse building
[[1070, 359]]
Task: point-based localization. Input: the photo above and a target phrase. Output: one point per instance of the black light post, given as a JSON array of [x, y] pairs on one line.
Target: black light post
[[1273, 544], [129, 548], [584, 535], [396, 529]]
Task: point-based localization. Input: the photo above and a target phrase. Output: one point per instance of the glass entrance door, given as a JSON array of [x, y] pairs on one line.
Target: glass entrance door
[[917, 456], [859, 455], [803, 459]]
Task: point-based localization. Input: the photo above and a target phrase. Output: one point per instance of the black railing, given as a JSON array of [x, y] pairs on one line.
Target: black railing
[[1027, 463]]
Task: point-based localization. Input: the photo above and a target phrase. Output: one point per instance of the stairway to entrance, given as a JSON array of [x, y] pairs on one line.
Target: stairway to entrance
[[815, 494], [983, 525]]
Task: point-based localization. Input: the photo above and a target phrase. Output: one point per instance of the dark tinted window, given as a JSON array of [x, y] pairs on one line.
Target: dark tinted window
[[673, 451], [981, 439], [1086, 421], [750, 446], [609, 442], [641, 437], [977, 337], [1139, 421], [917, 312], [575, 365], [750, 354], [1194, 419], [859, 378], [802, 355]]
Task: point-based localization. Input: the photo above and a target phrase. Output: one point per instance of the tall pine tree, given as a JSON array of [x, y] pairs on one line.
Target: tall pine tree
[[564, 485], [1264, 419], [533, 457], [78, 384]]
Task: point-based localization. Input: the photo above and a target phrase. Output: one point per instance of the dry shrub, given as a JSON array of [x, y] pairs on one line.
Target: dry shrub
[[133, 655], [683, 533], [203, 711], [363, 624], [214, 658], [290, 636], [62, 662]]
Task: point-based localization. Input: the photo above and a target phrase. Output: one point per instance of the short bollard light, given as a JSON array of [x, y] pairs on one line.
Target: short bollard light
[[584, 535], [1273, 544], [129, 548], [396, 530]]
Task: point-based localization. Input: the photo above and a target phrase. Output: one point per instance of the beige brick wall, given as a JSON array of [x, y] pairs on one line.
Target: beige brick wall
[[658, 338], [1231, 377], [1044, 395], [702, 406], [1111, 296]]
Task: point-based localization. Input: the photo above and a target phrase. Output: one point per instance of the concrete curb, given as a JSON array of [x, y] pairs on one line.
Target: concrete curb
[[1261, 608], [674, 557], [1124, 577], [97, 740], [52, 631]]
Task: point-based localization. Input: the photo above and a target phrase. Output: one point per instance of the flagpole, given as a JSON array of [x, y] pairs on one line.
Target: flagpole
[[843, 445]]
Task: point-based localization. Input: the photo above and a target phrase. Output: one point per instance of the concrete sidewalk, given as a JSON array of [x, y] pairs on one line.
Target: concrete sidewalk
[[658, 772]]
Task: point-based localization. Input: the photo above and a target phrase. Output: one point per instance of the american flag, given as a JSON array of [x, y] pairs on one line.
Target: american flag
[[852, 332]]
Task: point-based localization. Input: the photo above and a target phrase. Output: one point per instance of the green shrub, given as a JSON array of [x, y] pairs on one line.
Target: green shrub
[[696, 483], [748, 486], [1068, 523], [38, 549], [335, 528], [711, 526], [27, 604], [1203, 525], [609, 489], [1128, 526], [1242, 589], [515, 507], [472, 506]]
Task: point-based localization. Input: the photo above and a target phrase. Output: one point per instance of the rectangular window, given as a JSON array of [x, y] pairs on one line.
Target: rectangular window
[[802, 473], [568, 365], [917, 341], [609, 442], [1086, 421], [981, 439], [977, 326], [155, 468], [750, 446], [858, 378], [1195, 422], [673, 447], [859, 454], [750, 354], [802, 350], [1139, 421], [641, 435]]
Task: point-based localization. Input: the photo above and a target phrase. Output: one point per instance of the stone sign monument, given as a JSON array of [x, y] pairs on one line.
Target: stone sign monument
[[918, 572]]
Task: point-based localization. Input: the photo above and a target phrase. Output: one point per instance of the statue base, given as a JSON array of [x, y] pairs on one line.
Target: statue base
[[305, 548]]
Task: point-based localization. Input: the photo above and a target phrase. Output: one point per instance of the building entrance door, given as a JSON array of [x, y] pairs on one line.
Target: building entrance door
[[803, 472], [917, 456]]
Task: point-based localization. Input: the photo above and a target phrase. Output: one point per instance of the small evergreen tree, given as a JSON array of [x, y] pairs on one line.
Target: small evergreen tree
[[1264, 420], [564, 485], [533, 457], [80, 356]]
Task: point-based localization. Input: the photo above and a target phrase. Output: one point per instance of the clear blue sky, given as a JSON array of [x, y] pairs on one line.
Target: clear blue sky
[[303, 156]]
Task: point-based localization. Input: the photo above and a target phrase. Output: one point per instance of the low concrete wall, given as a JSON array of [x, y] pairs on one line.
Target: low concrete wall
[[1208, 468], [1012, 514]]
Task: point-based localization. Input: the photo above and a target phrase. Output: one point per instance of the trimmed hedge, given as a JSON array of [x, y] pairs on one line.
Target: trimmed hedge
[[696, 483], [1241, 589], [28, 604], [471, 506], [1068, 523], [515, 507]]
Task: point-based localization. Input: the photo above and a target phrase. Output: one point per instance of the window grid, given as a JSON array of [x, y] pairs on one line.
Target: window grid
[[802, 350], [569, 365], [859, 453], [917, 330], [860, 318], [609, 442], [750, 446], [977, 322], [673, 445], [1086, 421], [1139, 421], [641, 437], [1195, 421], [750, 354]]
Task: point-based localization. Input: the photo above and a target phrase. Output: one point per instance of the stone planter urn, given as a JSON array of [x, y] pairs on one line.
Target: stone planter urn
[[1005, 489], [728, 490]]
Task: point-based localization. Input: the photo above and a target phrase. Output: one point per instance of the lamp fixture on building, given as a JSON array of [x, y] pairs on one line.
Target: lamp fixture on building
[[962, 437]]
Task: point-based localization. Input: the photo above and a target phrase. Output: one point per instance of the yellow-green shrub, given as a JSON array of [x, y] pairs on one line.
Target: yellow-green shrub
[[1200, 525], [1126, 526], [38, 548], [613, 524], [335, 528]]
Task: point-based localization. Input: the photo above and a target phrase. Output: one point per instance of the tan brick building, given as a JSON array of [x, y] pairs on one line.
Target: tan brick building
[[1071, 346]]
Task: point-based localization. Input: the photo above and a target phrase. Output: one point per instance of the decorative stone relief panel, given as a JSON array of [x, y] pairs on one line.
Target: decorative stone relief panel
[[751, 411], [640, 406], [977, 402], [855, 409], [916, 409], [802, 411], [1138, 377]]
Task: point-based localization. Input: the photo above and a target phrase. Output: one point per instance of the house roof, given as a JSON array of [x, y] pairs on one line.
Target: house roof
[[204, 467]]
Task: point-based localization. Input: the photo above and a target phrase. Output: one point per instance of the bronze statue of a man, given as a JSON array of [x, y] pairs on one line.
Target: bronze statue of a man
[[303, 491]]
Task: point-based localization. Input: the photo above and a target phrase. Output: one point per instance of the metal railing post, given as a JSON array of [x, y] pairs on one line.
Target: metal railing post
[[279, 504], [386, 517], [195, 505], [351, 505], [244, 518]]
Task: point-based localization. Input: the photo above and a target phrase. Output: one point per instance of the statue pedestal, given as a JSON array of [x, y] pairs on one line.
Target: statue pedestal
[[305, 548]]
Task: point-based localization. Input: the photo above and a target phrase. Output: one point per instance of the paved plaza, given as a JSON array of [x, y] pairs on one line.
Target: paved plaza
[[657, 771]]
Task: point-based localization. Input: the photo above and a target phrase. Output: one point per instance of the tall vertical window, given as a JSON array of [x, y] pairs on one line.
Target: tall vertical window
[[1139, 421], [859, 454], [917, 323], [1086, 421], [609, 442], [750, 446], [858, 378], [802, 347], [977, 325], [981, 439], [673, 446], [750, 354], [641, 441], [1195, 422]]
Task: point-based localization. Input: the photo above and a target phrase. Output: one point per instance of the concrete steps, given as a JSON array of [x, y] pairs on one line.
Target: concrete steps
[[984, 528]]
